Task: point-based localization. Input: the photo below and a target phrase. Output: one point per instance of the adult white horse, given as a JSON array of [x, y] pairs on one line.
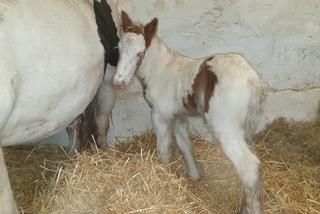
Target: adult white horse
[[51, 66]]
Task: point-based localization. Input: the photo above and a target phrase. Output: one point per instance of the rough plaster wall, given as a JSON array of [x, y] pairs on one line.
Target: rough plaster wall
[[280, 38]]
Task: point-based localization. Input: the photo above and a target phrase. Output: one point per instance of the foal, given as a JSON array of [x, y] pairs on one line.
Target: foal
[[223, 89]]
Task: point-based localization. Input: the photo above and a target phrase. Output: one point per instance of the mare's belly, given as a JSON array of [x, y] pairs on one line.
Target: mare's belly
[[55, 60], [42, 113]]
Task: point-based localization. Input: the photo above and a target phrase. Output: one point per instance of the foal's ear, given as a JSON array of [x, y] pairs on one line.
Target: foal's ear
[[126, 21], [150, 30]]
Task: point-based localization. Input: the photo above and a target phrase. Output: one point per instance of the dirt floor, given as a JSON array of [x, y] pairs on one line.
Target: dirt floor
[[289, 152]]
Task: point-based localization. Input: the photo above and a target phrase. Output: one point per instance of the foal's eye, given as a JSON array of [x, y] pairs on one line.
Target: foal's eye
[[140, 55]]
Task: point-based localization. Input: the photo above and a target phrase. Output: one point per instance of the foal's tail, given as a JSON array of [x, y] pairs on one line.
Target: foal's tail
[[255, 108]]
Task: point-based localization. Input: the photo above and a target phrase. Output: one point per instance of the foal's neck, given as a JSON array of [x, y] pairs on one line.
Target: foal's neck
[[157, 56]]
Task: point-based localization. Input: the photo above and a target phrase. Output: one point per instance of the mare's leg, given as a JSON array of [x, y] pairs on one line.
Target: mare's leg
[[105, 103], [162, 127], [7, 203], [184, 144], [76, 141], [95, 120]]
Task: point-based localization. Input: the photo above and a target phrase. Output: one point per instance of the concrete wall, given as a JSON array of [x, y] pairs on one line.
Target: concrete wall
[[280, 38]]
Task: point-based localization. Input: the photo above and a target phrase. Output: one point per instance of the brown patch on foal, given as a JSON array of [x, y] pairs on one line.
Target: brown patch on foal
[[203, 85], [148, 31]]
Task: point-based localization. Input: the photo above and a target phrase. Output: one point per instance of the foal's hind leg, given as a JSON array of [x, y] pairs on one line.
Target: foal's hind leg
[[248, 168], [231, 137], [184, 144]]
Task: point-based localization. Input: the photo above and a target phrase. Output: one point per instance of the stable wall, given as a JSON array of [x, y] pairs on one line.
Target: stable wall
[[281, 39]]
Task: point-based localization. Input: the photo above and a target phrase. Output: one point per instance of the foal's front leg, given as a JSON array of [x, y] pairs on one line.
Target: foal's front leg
[[184, 144], [162, 127], [105, 101]]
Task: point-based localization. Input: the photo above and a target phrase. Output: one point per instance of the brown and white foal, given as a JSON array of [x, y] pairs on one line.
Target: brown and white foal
[[223, 89]]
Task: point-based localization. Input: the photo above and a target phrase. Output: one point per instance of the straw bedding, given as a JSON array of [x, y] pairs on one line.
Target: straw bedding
[[131, 179]]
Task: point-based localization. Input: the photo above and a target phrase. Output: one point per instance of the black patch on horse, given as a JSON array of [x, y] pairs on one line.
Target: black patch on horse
[[107, 32]]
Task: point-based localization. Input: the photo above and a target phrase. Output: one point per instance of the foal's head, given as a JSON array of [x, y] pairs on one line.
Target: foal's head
[[135, 40]]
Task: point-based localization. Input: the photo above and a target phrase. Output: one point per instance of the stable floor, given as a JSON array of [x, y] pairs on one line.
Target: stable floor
[[131, 179]]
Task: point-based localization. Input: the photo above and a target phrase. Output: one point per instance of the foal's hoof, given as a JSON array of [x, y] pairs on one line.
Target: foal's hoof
[[195, 176], [243, 210], [73, 152], [246, 210]]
